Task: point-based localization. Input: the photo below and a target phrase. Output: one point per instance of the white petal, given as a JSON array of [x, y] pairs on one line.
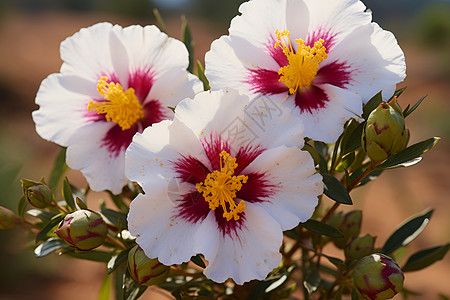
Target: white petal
[[63, 104], [376, 58], [103, 170], [251, 254], [326, 124], [163, 236], [338, 17], [149, 157], [87, 52], [297, 184]]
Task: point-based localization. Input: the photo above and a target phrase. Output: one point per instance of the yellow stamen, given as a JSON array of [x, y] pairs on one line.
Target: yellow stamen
[[220, 187], [303, 64], [121, 107]]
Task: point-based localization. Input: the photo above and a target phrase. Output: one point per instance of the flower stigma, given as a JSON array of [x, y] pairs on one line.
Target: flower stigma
[[303, 64], [220, 187], [121, 107]]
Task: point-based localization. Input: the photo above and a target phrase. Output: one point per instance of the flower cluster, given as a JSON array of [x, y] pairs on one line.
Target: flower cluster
[[216, 177]]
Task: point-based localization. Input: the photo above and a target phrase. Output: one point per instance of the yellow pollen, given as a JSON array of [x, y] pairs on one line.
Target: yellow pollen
[[220, 187], [303, 64], [121, 107]]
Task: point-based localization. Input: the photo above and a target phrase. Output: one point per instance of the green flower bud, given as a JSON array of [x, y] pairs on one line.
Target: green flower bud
[[8, 218], [378, 277], [83, 229], [144, 270], [385, 133], [37, 194], [349, 227], [360, 247]]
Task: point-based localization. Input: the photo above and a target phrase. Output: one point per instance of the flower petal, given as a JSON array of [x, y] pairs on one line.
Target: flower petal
[[298, 185], [251, 254]]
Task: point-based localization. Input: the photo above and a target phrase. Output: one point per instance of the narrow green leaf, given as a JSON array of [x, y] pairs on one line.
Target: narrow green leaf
[[120, 204], [67, 194], [334, 189], [198, 261], [339, 263], [118, 219], [270, 284], [118, 282], [117, 260], [98, 256], [346, 162], [21, 206], [371, 105], [406, 232], [322, 228], [425, 258], [312, 281], [407, 111], [81, 204], [398, 93], [105, 289], [354, 140], [45, 216], [186, 37], [202, 76], [372, 175], [131, 289], [159, 21], [59, 167], [408, 154], [50, 245], [50, 225], [313, 152], [354, 294]]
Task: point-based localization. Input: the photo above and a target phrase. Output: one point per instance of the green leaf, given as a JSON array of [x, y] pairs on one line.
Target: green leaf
[[21, 206], [322, 228], [50, 245], [354, 140], [186, 37], [406, 232], [313, 152], [354, 294], [45, 216], [131, 289], [118, 201], [202, 76], [312, 281], [398, 93], [50, 225], [59, 167], [105, 289], [372, 176], [408, 154], [118, 219], [346, 162], [67, 194], [425, 258], [117, 260], [159, 21], [334, 189], [81, 204], [270, 284], [339, 263], [98, 256], [198, 261], [407, 111], [371, 105]]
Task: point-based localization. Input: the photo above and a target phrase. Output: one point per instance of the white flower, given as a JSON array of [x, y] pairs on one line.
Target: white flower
[[113, 83], [225, 178], [324, 58]]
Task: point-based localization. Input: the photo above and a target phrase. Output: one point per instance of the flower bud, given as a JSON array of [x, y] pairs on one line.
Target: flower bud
[[350, 228], [385, 132], [144, 270], [37, 194], [378, 277], [8, 218], [360, 247], [83, 229]]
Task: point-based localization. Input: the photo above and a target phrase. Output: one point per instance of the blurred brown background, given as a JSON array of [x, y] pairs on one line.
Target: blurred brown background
[[30, 33]]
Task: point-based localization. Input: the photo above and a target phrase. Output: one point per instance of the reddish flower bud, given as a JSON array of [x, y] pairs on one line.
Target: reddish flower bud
[[37, 194], [378, 277], [144, 270], [83, 229], [8, 218], [360, 247]]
